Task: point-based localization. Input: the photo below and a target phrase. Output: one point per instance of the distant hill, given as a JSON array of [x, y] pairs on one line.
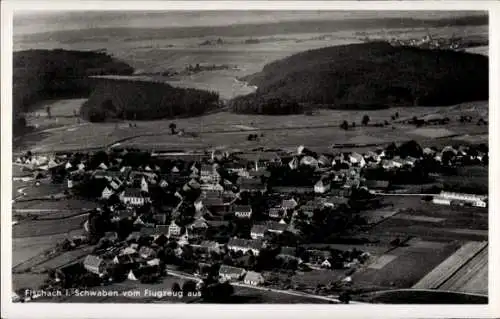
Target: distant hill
[[142, 100], [366, 76], [49, 74]]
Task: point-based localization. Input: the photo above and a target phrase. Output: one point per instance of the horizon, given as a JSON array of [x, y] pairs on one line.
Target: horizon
[[39, 22]]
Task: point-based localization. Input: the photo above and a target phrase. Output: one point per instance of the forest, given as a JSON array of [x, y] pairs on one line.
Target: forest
[[366, 76]]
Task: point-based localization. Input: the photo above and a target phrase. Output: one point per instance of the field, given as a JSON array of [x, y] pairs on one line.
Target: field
[[439, 275], [47, 227], [408, 266], [54, 205], [425, 297], [472, 277], [226, 129]]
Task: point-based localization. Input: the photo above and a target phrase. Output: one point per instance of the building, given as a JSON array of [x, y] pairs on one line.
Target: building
[[94, 264], [277, 227], [253, 278], [287, 204], [276, 212], [322, 186], [106, 193], [210, 246], [258, 231], [209, 174], [447, 198], [242, 211], [229, 273], [174, 229], [244, 245], [377, 184], [134, 197], [237, 168]]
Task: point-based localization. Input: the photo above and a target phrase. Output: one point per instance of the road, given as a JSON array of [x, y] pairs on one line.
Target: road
[[184, 275]]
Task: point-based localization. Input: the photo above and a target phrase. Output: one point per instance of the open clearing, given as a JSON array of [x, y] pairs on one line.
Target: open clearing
[[47, 227], [418, 218], [320, 130], [431, 132], [439, 275], [404, 270], [472, 277], [382, 261]]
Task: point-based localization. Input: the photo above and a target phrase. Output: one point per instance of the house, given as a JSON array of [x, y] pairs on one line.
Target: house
[[287, 204], [147, 252], [322, 186], [229, 273], [277, 227], [174, 229], [334, 201], [209, 174], [106, 193], [251, 185], [128, 251], [253, 278], [237, 168], [94, 264], [184, 239], [244, 245], [124, 259], [115, 183], [134, 197], [357, 159], [326, 263], [324, 161], [199, 224], [242, 211], [258, 231], [276, 212]]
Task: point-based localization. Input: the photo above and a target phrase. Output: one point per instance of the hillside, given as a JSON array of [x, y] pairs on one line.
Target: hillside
[[141, 100], [49, 74], [367, 76]]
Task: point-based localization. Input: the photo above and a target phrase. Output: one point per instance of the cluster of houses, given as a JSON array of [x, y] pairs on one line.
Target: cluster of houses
[[220, 179]]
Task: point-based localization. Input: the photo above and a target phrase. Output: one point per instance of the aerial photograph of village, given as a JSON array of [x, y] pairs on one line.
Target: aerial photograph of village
[[250, 157]]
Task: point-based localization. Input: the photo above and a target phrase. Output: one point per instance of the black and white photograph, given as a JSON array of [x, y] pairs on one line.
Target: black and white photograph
[[240, 156]]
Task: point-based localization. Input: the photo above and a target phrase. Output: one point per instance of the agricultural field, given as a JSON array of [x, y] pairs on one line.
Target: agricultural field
[[405, 267], [439, 275], [47, 227], [472, 277], [54, 205]]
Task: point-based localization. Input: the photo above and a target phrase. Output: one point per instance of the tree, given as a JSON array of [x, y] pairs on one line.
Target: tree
[[172, 127], [344, 125], [188, 287], [48, 110], [365, 120], [176, 287]]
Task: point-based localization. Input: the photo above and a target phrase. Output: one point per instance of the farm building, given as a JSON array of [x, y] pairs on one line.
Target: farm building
[[253, 278], [133, 197], [242, 211], [227, 273], [447, 198], [258, 231], [94, 264], [244, 245]]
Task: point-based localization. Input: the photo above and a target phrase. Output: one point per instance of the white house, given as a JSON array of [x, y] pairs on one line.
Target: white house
[[321, 186], [106, 193], [446, 198], [133, 197], [243, 211], [253, 278], [174, 229]]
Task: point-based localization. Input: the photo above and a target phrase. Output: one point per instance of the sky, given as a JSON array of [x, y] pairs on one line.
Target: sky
[[29, 22]]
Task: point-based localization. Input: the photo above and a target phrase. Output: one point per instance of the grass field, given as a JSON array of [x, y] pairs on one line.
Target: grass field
[[472, 277], [319, 130], [404, 270], [439, 275], [425, 297], [65, 204], [47, 227]]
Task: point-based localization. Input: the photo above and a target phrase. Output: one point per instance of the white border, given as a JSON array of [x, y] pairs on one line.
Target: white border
[[10, 310]]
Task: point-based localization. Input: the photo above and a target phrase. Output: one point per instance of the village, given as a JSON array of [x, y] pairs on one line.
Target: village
[[247, 218]]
